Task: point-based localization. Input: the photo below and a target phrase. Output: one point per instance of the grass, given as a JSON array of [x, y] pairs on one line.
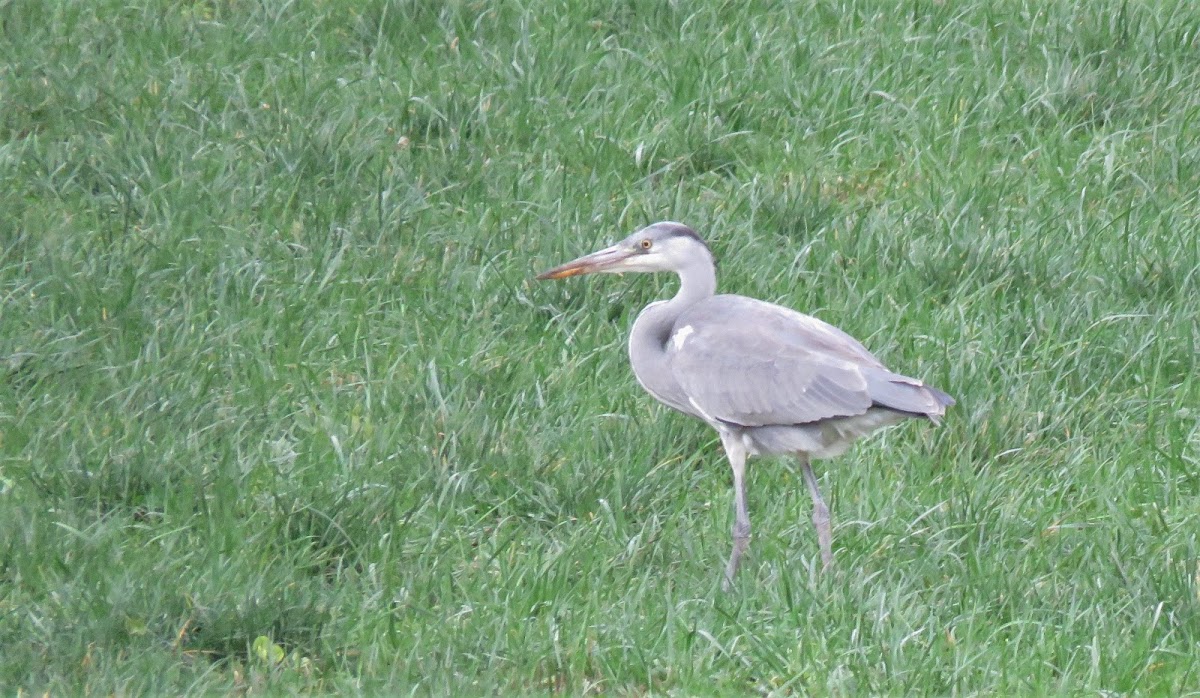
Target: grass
[[281, 410]]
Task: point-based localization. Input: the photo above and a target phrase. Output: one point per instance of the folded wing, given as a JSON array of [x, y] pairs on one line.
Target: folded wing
[[751, 363]]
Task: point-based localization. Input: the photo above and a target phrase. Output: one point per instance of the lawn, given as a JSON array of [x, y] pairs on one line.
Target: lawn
[[282, 409]]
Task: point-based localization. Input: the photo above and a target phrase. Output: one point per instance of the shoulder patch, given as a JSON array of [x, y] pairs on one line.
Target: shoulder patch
[[681, 336]]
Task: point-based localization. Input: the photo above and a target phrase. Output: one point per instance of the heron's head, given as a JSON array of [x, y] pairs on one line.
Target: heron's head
[[665, 246]]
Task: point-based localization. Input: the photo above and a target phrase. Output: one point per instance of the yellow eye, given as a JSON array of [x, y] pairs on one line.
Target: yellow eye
[[646, 244]]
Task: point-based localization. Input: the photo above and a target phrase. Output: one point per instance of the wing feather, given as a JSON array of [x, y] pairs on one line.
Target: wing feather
[[753, 363]]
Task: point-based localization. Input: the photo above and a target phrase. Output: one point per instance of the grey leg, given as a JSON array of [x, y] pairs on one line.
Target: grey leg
[[741, 517], [820, 515]]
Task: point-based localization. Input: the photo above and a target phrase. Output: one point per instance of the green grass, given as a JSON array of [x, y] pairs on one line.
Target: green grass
[[281, 409]]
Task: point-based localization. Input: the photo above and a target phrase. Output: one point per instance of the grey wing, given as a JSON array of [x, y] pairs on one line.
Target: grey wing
[[752, 363]]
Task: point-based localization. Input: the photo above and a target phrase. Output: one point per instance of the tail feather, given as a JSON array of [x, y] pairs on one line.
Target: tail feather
[[908, 395], [943, 399]]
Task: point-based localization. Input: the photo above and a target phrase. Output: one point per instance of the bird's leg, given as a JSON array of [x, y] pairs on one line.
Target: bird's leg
[[741, 517], [820, 515]]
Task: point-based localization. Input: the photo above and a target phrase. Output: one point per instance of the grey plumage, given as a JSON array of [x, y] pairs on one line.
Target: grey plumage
[[770, 380]]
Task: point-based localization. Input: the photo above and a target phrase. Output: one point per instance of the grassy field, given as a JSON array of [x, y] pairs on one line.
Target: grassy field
[[281, 409]]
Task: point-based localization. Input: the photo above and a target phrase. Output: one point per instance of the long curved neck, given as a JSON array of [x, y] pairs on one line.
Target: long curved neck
[[652, 331], [697, 282]]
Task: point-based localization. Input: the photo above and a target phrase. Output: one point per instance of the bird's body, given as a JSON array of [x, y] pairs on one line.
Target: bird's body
[[770, 380], [791, 383]]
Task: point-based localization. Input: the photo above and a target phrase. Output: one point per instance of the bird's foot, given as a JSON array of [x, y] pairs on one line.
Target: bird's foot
[[741, 543], [824, 535]]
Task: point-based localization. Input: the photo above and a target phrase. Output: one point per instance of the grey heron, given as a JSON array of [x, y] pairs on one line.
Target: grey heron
[[770, 380]]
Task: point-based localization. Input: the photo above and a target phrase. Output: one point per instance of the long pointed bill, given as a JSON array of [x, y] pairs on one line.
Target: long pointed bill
[[595, 262]]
